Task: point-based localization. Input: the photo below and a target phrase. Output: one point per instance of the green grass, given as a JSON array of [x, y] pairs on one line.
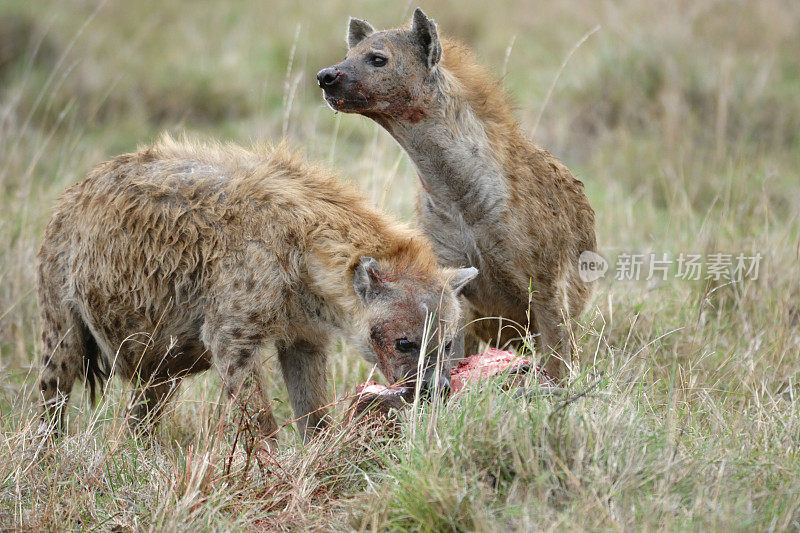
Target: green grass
[[682, 121]]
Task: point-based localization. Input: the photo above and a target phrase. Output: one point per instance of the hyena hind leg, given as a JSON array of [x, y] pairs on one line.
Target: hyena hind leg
[[68, 351]]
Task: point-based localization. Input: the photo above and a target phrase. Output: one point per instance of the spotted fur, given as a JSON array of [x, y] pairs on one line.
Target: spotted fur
[[182, 256], [489, 197]]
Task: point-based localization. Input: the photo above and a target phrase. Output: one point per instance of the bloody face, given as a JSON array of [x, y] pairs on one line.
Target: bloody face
[[411, 328], [384, 74], [410, 343]]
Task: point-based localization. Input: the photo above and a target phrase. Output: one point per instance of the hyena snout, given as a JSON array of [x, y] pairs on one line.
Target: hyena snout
[[434, 382], [433, 376], [328, 77], [410, 333], [343, 90]]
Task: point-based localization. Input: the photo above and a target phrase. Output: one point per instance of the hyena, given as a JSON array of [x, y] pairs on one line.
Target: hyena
[[181, 256], [489, 197]]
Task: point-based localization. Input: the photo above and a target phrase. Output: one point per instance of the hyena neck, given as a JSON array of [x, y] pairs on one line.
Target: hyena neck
[[455, 157], [336, 253]]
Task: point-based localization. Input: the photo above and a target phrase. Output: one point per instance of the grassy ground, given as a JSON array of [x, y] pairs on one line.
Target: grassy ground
[[683, 121]]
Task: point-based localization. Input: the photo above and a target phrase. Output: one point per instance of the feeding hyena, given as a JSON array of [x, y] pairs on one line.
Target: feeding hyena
[[165, 262], [489, 197]]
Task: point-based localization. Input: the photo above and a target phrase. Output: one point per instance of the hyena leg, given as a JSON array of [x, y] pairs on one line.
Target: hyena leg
[[149, 400], [245, 386], [472, 343], [239, 366], [553, 323], [305, 371], [471, 328], [67, 346], [256, 396]]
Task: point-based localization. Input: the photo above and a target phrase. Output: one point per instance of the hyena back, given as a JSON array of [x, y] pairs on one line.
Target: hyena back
[[489, 197], [165, 262]]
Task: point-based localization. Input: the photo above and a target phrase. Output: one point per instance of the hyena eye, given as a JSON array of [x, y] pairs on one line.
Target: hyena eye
[[377, 61], [448, 346], [405, 346]]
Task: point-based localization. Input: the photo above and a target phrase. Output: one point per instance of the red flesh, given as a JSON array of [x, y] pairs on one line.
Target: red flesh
[[470, 371], [491, 363]]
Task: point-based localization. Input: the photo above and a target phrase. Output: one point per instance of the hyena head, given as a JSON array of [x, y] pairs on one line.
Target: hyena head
[[386, 73], [412, 322]]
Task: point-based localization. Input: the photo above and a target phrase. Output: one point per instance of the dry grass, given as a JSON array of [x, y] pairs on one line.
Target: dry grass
[[683, 120]]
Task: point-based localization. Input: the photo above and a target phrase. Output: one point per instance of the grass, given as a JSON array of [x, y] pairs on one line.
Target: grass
[[682, 120]]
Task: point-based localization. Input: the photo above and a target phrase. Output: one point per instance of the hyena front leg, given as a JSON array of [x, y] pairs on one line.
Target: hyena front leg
[[305, 370], [474, 329], [553, 323], [67, 345], [235, 349], [149, 400]]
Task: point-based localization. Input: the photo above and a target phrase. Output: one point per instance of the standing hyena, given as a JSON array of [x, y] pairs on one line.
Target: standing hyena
[[166, 261], [489, 197]]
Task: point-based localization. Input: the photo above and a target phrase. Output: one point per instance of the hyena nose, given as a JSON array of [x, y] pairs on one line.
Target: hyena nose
[[328, 77]]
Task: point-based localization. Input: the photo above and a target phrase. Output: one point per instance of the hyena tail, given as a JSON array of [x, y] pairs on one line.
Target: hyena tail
[[69, 351]]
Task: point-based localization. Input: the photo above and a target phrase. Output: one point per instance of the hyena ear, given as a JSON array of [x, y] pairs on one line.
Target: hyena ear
[[461, 277], [423, 30], [357, 31], [367, 279]]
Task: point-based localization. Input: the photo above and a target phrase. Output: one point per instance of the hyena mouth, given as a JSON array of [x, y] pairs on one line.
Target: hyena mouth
[[346, 103]]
